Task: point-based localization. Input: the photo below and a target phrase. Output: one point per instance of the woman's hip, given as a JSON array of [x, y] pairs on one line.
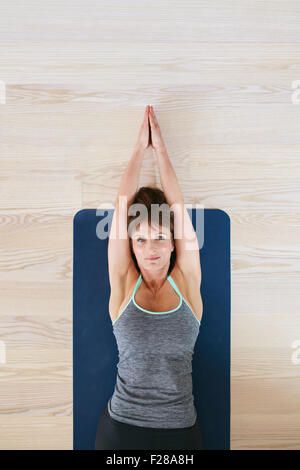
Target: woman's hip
[[115, 435]]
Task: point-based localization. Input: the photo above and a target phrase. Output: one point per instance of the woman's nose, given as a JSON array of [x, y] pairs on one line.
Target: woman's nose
[[151, 246]]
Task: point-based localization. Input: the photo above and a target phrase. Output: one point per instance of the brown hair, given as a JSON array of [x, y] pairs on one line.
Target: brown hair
[[148, 195]]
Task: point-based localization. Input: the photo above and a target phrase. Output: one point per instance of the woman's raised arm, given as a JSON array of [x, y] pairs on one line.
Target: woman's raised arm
[[119, 256], [186, 242]]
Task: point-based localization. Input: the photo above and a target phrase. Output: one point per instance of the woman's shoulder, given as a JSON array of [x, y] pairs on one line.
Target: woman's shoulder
[[127, 284], [123, 287]]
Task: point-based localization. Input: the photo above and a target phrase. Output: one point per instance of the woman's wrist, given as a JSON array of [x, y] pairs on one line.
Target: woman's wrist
[[138, 149], [160, 148]]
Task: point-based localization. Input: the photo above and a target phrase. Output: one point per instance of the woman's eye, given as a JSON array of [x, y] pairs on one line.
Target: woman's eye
[[160, 236]]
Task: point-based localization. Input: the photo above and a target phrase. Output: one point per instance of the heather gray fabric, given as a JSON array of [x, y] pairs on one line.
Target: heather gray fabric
[[154, 379]]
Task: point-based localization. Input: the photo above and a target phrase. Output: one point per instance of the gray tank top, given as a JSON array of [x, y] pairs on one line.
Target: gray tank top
[[154, 381]]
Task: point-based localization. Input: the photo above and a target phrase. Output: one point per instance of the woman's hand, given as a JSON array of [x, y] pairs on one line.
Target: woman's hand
[[156, 137], [143, 141]]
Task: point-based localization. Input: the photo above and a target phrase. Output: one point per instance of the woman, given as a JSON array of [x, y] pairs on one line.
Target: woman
[[156, 309]]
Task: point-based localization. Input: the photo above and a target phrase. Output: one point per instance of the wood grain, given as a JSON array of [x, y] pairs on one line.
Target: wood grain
[[78, 76]]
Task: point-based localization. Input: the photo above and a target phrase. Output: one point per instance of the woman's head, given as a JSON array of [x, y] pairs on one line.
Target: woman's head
[[151, 231]]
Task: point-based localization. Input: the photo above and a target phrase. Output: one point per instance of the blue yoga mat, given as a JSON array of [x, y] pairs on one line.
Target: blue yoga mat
[[95, 351]]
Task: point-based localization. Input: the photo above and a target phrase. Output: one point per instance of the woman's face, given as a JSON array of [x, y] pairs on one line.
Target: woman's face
[[152, 242]]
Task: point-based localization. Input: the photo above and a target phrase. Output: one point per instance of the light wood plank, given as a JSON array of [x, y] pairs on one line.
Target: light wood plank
[[220, 76]]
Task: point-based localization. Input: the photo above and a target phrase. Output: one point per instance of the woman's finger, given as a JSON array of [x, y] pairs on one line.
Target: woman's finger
[[151, 117], [146, 116]]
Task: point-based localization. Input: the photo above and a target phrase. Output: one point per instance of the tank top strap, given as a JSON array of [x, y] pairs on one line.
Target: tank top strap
[[138, 282], [173, 284], [170, 279]]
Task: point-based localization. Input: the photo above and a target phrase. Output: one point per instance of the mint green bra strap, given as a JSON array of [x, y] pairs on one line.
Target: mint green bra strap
[[172, 282], [174, 285], [137, 284]]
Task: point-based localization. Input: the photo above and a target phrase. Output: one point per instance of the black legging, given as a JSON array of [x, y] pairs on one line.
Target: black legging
[[114, 435]]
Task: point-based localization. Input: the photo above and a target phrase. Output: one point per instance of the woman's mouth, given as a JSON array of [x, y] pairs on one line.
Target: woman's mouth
[[153, 258]]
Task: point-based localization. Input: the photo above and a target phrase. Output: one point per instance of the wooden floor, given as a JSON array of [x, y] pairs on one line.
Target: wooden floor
[[224, 80]]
